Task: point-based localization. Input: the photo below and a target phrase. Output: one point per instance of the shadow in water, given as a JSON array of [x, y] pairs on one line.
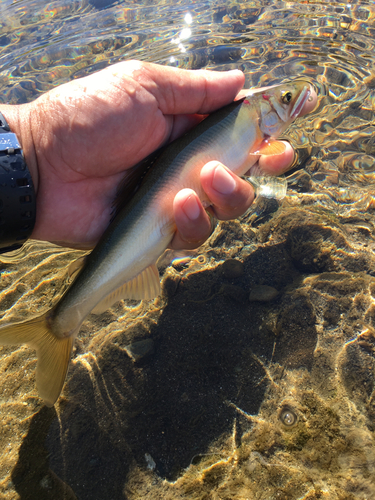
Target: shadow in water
[[211, 346], [172, 406], [32, 477]]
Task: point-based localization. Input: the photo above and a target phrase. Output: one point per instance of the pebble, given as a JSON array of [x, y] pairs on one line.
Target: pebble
[[140, 349], [171, 281], [150, 461], [263, 293], [233, 268]]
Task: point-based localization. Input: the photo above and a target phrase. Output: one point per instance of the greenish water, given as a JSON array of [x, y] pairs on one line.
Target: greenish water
[[236, 398]]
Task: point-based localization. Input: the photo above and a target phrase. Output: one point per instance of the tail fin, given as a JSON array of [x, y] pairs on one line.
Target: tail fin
[[53, 354]]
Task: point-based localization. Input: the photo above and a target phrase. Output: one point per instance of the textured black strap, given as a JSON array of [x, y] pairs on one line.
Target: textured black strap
[[17, 195], [3, 123]]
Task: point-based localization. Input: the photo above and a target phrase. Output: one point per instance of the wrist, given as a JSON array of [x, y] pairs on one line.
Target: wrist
[[17, 193], [18, 118]]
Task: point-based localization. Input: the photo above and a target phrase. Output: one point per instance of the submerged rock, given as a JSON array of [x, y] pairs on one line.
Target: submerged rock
[[263, 293], [140, 350], [232, 268]]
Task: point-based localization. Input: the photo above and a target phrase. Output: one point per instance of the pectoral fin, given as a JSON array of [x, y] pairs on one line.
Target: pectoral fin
[[270, 147], [145, 285]]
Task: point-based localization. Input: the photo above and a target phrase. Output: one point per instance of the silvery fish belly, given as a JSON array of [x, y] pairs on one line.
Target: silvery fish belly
[[122, 265]]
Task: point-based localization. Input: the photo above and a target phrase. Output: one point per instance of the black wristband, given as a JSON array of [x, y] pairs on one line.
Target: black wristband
[[17, 195]]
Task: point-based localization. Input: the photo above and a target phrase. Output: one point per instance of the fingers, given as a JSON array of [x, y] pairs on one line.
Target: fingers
[[229, 195], [193, 224], [180, 91]]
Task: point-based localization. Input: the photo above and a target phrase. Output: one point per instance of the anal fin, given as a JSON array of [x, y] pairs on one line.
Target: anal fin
[[144, 286], [76, 266]]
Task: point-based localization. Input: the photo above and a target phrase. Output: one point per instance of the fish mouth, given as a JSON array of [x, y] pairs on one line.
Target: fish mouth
[[297, 108]]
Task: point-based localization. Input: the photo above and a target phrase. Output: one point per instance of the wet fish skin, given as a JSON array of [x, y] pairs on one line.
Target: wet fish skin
[[122, 265]]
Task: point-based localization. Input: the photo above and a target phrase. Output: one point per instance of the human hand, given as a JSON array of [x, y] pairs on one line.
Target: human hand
[[81, 137]]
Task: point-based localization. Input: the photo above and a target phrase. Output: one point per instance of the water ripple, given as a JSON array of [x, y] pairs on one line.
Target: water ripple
[[331, 195]]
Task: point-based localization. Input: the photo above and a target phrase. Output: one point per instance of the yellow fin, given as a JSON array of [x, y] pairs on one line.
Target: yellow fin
[[270, 147], [145, 285], [53, 354]]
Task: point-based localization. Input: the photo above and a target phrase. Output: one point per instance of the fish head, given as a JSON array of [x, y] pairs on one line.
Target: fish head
[[280, 105]]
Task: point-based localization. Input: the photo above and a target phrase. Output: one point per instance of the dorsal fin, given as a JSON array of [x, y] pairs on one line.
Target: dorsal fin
[[145, 285]]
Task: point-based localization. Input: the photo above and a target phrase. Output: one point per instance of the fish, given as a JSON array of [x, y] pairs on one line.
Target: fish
[[123, 263]]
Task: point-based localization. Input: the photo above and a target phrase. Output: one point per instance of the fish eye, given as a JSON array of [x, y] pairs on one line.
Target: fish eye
[[286, 97]]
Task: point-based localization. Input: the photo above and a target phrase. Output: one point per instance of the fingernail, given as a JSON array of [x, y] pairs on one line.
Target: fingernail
[[223, 182], [191, 208]]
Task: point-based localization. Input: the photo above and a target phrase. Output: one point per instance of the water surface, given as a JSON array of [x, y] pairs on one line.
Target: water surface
[[235, 399]]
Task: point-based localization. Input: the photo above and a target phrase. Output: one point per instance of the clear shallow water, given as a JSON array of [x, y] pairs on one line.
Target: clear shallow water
[[207, 404]]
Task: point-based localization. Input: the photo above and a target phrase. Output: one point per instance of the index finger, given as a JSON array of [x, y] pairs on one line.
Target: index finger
[[181, 91]]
